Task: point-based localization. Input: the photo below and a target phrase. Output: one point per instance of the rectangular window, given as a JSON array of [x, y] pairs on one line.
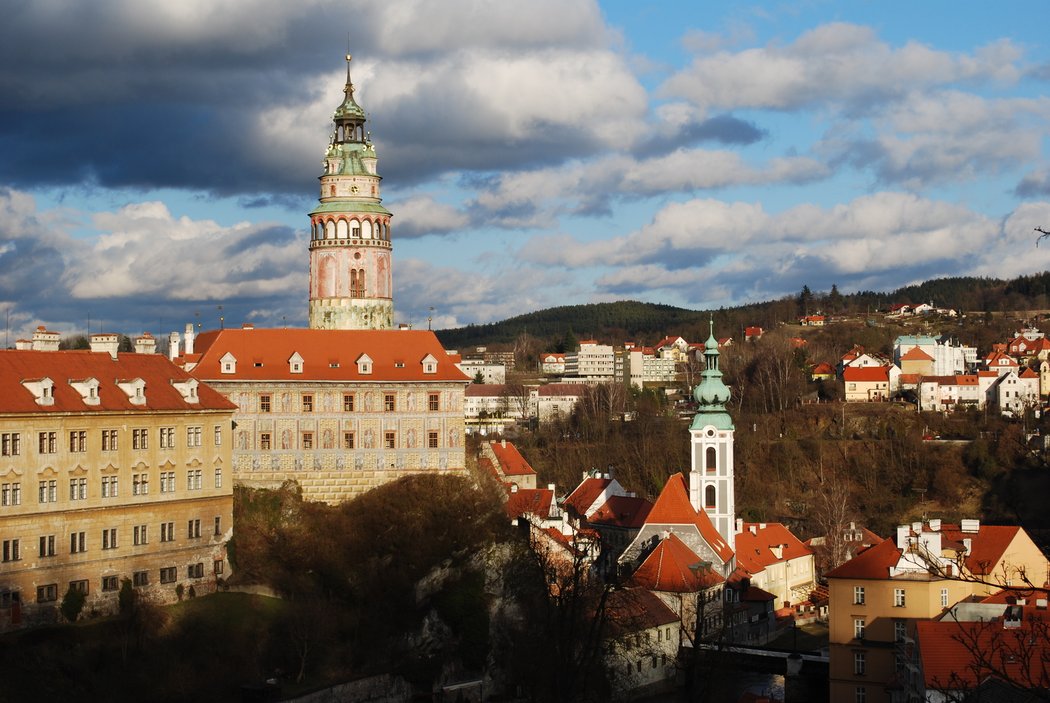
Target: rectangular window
[[109, 486], [432, 439], [348, 440], [858, 595], [193, 479], [264, 440], [195, 571], [12, 550], [218, 435], [48, 491], [140, 535], [390, 439], [79, 586], [78, 489], [858, 663], [389, 404], [193, 529], [218, 478], [348, 402], [168, 574], [218, 525], [110, 583], [140, 439], [264, 402], [167, 437], [140, 578], [77, 543], [308, 403], [308, 440], [944, 597], [858, 628], [434, 402], [10, 444], [861, 695], [898, 597], [47, 545], [193, 436], [140, 484], [77, 441], [167, 531], [109, 538], [10, 494], [218, 565], [900, 628], [109, 440], [48, 442], [47, 594], [167, 481]]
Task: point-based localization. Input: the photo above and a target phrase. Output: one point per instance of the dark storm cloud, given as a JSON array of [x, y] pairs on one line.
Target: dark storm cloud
[[723, 129], [1034, 185]]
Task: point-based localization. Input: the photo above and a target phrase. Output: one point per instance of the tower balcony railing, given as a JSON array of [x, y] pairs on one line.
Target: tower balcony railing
[[318, 243]]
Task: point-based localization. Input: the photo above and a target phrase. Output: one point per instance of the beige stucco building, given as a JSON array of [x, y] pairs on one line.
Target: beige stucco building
[[338, 411], [112, 467]]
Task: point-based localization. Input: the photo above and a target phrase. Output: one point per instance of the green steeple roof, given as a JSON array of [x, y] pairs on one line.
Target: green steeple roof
[[349, 109], [712, 394]]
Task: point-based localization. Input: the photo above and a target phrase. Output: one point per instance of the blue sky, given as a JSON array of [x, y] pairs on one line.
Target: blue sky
[[157, 160]]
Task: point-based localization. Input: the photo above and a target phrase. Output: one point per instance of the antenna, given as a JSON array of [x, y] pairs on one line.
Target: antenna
[[221, 319], [430, 316]]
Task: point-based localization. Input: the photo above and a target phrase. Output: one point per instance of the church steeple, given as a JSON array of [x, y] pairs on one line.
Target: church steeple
[[351, 286], [711, 394]]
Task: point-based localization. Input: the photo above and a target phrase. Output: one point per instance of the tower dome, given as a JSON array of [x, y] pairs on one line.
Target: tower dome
[[711, 393]]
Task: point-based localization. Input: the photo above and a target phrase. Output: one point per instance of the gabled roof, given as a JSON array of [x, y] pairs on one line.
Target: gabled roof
[[873, 563], [562, 389], [328, 355], [621, 511], [950, 651], [673, 508], [157, 373], [511, 460], [673, 567], [754, 550], [916, 354], [586, 493], [532, 501], [485, 390], [987, 545], [630, 610], [823, 368], [866, 373], [1028, 373]]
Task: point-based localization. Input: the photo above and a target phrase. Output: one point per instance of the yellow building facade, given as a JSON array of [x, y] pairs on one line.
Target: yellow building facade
[[112, 467]]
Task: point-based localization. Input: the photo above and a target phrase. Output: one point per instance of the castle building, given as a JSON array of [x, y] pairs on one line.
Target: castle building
[[338, 411], [351, 286], [112, 467], [711, 438]]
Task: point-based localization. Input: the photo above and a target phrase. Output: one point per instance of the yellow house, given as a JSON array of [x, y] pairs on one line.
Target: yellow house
[[919, 575], [112, 467]]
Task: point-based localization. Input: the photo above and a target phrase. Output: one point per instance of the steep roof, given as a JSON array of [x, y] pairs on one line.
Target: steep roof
[[673, 567], [328, 355], [866, 373], [64, 367], [630, 610], [754, 551], [621, 511], [873, 563], [534, 501], [511, 460], [673, 508], [950, 652], [586, 493], [916, 354], [987, 545]]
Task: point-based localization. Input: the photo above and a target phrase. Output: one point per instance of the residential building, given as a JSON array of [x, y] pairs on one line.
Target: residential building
[[870, 383], [338, 411], [493, 407], [641, 650], [949, 393], [113, 467], [351, 287], [776, 561], [1017, 393], [949, 356], [592, 362], [490, 373], [555, 401], [510, 465], [917, 361], [552, 364]]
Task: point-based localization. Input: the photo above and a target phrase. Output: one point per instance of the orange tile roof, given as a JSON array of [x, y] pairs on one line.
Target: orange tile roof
[[754, 551], [621, 511], [534, 501], [673, 508], [951, 651], [675, 568], [584, 495], [63, 366], [987, 545], [916, 354], [866, 373], [328, 355], [631, 610], [511, 460], [872, 563]]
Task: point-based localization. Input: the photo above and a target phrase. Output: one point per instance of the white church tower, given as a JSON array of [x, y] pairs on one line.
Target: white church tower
[[351, 286], [711, 438]]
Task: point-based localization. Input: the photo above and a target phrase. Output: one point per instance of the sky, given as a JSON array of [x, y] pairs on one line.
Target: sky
[[158, 159]]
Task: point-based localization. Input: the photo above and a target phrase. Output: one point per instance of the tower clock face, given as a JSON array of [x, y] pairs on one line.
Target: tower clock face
[[353, 189]]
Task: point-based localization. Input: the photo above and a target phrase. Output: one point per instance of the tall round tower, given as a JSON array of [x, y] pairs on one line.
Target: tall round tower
[[351, 286]]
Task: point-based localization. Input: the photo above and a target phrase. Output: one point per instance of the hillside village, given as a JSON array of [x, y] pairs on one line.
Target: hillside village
[[143, 456]]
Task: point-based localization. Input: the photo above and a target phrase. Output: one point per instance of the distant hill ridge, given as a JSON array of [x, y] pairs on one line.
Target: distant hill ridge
[[648, 322]]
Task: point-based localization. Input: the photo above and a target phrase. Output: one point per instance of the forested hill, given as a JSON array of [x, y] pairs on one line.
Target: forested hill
[[647, 322]]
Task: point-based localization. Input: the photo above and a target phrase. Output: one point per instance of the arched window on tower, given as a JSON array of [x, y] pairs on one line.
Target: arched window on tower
[[711, 460], [340, 229], [357, 283], [709, 498], [329, 230]]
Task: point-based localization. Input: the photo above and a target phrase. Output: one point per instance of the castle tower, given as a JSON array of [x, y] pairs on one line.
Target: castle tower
[[351, 286], [711, 438]]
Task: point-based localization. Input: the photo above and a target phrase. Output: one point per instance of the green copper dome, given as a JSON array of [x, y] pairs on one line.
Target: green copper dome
[[711, 393]]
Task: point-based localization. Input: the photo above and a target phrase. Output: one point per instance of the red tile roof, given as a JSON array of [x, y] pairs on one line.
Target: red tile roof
[[916, 354], [674, 568], [631, 610], [328, 355], [961, 655], [534, 501], [673, 508], [872, 563], [823, 368], [621, 511], [866, 373], [63, 366], [566, 389], [511, 460], [987, 545], [586, 493], [754, 551]]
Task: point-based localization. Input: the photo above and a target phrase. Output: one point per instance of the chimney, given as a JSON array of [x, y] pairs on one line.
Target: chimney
[[739, 525], [247, 326], [916, 527], [23, 344], [173, 346], [902, 535], [43, 340], [145, 344], [970, 525], [503, 443], [105, 343], [967, 544], [189, 338], [550, 486], [752, 529], [1040, 603], [513, 488], [935, 525]]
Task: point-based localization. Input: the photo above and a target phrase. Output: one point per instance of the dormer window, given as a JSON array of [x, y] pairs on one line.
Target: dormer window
[[429, 364], [135, 389], [295, 363], [399, 364], [228, 363], [187, 389], [87, 388], [364, 364], [43, 390]]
